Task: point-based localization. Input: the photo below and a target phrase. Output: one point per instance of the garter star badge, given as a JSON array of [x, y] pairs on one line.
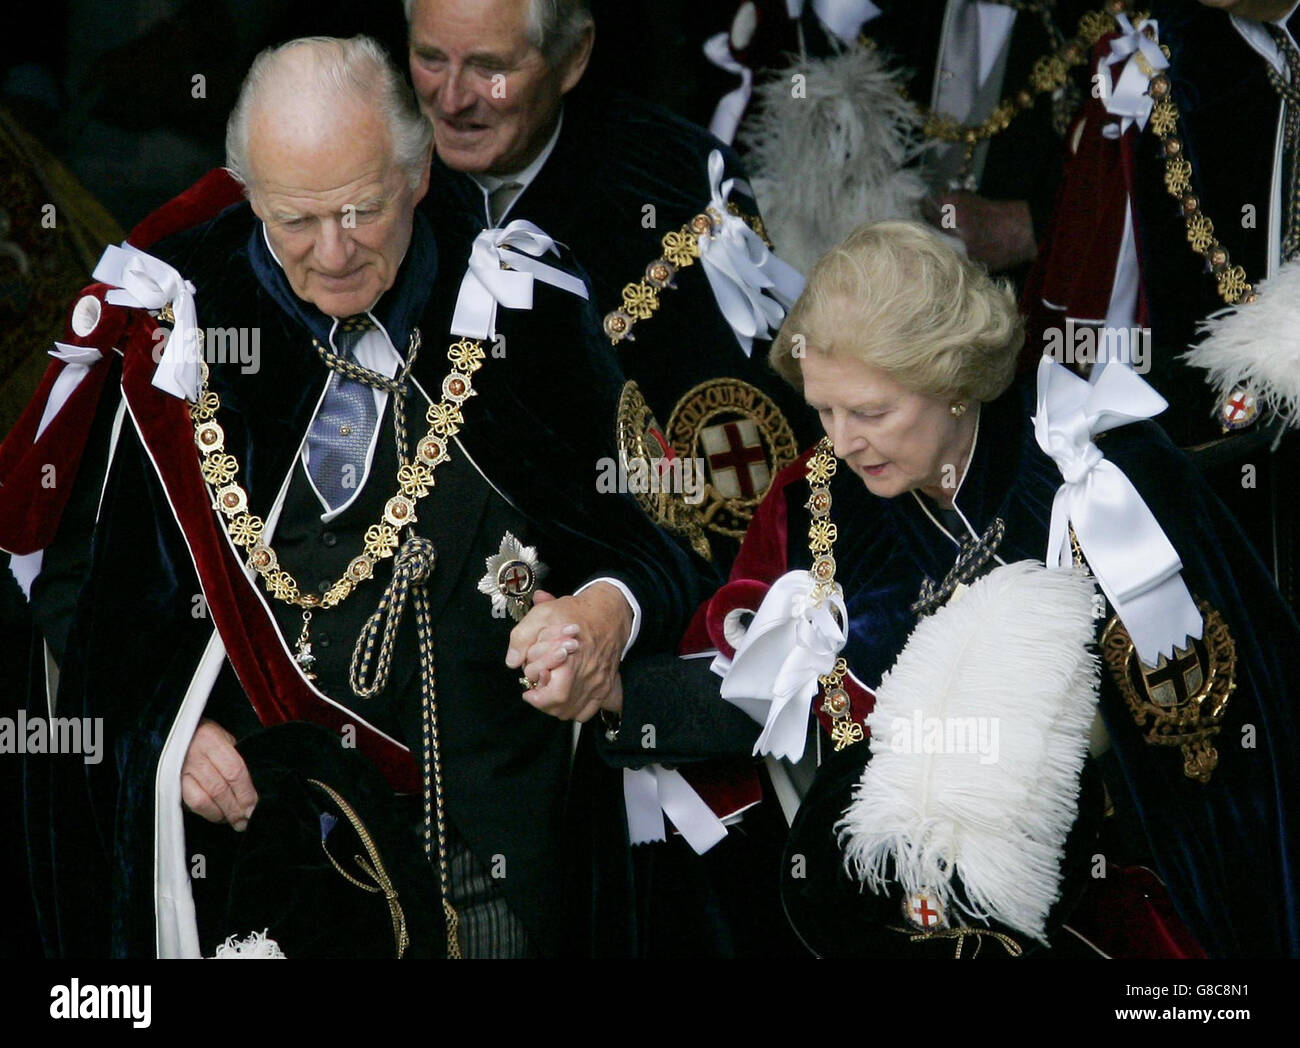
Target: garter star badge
[[511, 578]]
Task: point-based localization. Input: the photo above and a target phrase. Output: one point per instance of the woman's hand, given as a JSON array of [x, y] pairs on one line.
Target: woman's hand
[[570, 649]]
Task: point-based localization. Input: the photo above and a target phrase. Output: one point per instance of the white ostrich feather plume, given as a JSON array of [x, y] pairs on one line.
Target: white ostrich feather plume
[[1257, 345], [256, 946], [1011, 655], [826, 163]]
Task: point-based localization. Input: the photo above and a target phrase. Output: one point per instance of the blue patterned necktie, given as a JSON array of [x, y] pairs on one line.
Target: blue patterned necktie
[[340, 435]]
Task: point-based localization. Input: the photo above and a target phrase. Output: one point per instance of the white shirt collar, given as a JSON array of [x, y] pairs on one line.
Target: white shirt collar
[[1257, 36]]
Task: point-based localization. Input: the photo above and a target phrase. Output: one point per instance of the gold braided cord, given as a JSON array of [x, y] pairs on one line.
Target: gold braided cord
[[435, 811], [960, 934], [374, 868], [412, 569], [394, 387]]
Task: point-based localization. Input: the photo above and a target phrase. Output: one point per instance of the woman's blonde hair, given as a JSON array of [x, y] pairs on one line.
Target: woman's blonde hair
[[895, 296]]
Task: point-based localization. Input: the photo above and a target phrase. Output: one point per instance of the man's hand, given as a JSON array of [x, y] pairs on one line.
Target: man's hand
[[999, 233], [214, 780], [570, 648]]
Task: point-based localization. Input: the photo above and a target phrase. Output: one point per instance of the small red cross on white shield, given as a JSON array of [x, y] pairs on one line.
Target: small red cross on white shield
[[1239, 409], [511, 577], [737, 460], [923, 910]]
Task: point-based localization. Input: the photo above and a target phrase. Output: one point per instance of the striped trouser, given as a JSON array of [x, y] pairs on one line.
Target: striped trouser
[[488, 929]]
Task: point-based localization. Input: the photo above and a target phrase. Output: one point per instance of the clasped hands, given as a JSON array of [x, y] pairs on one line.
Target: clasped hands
[[570, 647]]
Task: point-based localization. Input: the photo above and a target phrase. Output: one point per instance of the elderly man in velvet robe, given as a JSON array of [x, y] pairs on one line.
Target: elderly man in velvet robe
[[266, 549]]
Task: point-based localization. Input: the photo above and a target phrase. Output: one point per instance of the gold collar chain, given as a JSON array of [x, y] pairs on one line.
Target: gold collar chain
[[680, 249], [822, 534], [1050, 72], [1230, 280], [414, 478]]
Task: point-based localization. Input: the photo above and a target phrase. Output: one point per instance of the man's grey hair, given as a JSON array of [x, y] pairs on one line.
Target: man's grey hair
[[356, 68], [554, 26]]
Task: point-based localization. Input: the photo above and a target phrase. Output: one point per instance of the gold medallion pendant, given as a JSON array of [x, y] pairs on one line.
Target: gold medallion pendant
[[743, 440], [1180, 701]]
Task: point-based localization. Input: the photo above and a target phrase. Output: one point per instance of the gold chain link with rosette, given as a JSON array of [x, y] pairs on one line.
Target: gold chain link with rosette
[[822, 534], [1230, 281], [1049, 73], [414, 479], [680, 247]]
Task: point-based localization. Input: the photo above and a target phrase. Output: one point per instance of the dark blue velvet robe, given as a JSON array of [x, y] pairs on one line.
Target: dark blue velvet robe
[[538, 423], [1226, 849]]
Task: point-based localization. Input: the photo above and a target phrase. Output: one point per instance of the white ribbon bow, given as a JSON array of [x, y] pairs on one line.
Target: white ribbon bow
[[740, 268], [1135, 564], [145, 282], [731, 107], [844, 18], [789, 644], [1129, 100], [78, 361], [487, 285], [654, 791]]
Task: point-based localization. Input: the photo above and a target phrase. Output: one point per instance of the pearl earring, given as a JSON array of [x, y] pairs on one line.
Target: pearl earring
[[958, 408]]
